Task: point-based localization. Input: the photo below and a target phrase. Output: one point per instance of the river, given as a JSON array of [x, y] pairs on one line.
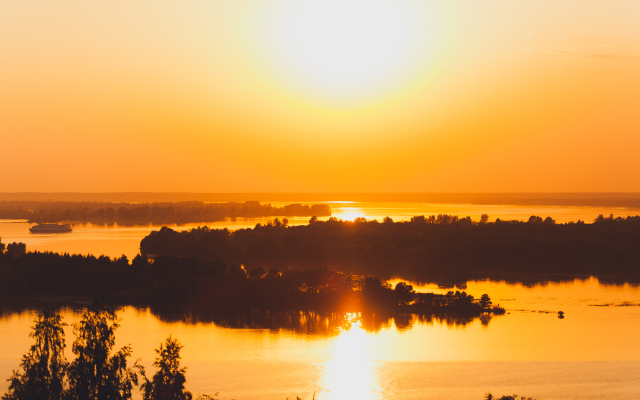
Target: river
[[593, 353]]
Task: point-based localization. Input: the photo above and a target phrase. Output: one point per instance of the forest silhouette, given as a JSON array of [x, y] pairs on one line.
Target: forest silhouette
[[172, 284], [442, 247]]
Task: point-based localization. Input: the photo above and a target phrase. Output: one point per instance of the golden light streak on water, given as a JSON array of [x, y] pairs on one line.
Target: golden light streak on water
[[350, 374], [349, 213], [592, 353]]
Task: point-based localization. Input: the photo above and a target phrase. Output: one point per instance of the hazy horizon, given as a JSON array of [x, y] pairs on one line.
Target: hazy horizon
[[629, 200]]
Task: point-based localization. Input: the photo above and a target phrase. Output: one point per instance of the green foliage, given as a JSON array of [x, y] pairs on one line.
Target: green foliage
[[95, 373], [169, 379], [44, 366]]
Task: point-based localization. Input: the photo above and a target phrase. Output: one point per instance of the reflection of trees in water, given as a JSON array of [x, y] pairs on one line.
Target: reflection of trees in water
[[299, 322], [22, 308], [319, 323], [528, 280], [403, 321]]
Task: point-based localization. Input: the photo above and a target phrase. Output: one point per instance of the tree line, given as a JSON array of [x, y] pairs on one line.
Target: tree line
[[431, 247], [215, 286], [150, 213]]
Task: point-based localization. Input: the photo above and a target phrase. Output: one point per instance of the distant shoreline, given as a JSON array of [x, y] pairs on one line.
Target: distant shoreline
[[129, 214], [585, 199]]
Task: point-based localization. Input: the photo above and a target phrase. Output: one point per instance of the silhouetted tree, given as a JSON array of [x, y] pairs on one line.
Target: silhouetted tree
[[140, 261], [534, 219], [168, 381], [485, 301], [403, 293], [95, 374], [484, 218], [376, 291], [17, 249], [2, 246], [44, 366]]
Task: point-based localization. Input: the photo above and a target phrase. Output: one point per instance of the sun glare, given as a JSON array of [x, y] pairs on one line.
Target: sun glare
[[350, 374], [348, 213], [347, 49]]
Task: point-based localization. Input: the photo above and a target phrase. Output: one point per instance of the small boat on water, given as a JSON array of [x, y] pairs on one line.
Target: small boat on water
[[50, 228]]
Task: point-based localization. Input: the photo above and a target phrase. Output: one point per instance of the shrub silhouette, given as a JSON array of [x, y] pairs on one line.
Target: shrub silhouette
[[489, 396], [17, 249]]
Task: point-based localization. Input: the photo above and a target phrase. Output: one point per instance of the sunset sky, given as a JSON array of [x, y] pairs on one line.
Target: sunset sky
[[320, 96]]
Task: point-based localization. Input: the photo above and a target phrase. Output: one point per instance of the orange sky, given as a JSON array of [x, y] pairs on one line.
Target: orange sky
[[320, 96]]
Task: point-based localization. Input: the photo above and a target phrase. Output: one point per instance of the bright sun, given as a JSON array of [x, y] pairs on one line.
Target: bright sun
[[346, 49]]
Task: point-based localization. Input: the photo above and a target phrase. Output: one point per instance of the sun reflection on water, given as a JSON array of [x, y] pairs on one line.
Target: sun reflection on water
[[350, 374], [348, 213]]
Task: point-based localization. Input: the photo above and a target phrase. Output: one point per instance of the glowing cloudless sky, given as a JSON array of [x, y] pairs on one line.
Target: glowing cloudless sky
[[320, 96]]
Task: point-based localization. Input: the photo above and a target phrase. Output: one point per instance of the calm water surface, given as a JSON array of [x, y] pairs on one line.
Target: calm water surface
[[593, 353]]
